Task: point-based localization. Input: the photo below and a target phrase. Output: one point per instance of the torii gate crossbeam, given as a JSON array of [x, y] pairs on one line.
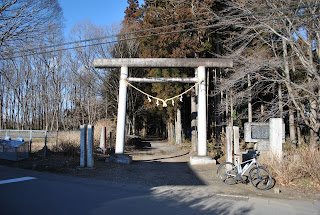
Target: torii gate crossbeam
[[199, 63]]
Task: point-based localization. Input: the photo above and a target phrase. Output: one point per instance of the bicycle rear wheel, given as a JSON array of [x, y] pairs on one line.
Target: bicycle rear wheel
[[260, 178], [227, 173]]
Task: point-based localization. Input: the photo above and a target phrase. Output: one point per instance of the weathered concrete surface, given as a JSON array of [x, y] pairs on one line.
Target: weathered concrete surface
[[229, 143], [119, 158], [200, 160], [202, 112], [162, 80], [90, 159], [83, 146], [162, 62], [275, 137]]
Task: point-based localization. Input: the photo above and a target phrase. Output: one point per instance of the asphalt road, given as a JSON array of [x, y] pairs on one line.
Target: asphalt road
[[29, 192]]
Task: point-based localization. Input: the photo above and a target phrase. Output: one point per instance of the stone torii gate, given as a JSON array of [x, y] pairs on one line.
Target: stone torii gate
[[198, 63]]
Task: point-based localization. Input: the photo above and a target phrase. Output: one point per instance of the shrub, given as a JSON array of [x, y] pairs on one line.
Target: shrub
[[68, 149], [310, 159]]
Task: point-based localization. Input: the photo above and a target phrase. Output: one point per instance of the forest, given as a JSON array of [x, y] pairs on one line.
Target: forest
[[48, 82]]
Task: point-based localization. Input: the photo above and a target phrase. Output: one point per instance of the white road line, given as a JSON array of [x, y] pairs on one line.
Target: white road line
[[13, 180], [233, 196]]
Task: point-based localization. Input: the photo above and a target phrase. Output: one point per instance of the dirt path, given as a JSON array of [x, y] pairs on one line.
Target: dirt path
[[157, 151]]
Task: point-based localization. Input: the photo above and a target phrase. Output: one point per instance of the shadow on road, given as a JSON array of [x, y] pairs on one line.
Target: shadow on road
[[162, 173], [163, 158]]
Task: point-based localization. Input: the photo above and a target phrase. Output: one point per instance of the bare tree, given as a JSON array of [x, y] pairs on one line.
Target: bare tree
[[24, 20], [262, 33]]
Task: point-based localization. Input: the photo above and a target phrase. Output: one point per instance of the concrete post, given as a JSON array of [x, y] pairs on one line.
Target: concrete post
[[229, 143], [122, 105], [202, 110], [236, 148], [83, 144], [30, 141], [90, 160], [45, 144], [103, 139], [275, 136]]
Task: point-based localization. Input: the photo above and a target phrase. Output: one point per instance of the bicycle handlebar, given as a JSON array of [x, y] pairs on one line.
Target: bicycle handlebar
[[257, 154]]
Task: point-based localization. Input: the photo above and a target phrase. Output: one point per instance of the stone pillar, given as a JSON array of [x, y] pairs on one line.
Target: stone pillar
[[202, 110], [103, 139], [90, 160], [229, 143], [236, 148], [275, 136], [83, 145], [122, 106]]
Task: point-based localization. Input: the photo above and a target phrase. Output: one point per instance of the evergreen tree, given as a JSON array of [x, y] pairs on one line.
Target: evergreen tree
[[132, 11]]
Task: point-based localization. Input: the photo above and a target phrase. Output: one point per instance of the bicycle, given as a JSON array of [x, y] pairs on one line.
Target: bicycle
[[259, 176]]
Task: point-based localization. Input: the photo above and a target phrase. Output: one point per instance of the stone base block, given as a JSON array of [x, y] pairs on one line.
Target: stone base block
[[85, 168], [198, 160], [117, 158]]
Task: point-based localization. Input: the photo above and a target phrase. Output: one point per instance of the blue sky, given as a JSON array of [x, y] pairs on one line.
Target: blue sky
[[100, 12]]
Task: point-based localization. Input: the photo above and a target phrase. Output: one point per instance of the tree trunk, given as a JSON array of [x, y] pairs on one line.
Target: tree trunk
[[299, 135], [249, 100], [106, 107], [227, 109], [175, 131], [144, 128], [231, 108], [170, 132], [314, 139], [314, 130], [128, 125], [280, 102], [292, 127], [134, 124], [178, 127], [314, 104]]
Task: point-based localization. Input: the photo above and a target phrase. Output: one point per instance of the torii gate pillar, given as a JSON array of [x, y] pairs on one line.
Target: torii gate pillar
[[202, 157], [122, 106], [202, 112]]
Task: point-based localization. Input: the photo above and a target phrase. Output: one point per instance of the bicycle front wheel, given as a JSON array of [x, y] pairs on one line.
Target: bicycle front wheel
[[260, 178], [227, 173]]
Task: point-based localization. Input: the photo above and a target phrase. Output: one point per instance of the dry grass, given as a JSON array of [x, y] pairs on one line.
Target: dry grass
[[69, 141], [110, 127], [296, 168], [67, 138]]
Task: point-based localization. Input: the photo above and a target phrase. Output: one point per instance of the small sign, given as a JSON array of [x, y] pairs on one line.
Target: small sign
[[260, 131]]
